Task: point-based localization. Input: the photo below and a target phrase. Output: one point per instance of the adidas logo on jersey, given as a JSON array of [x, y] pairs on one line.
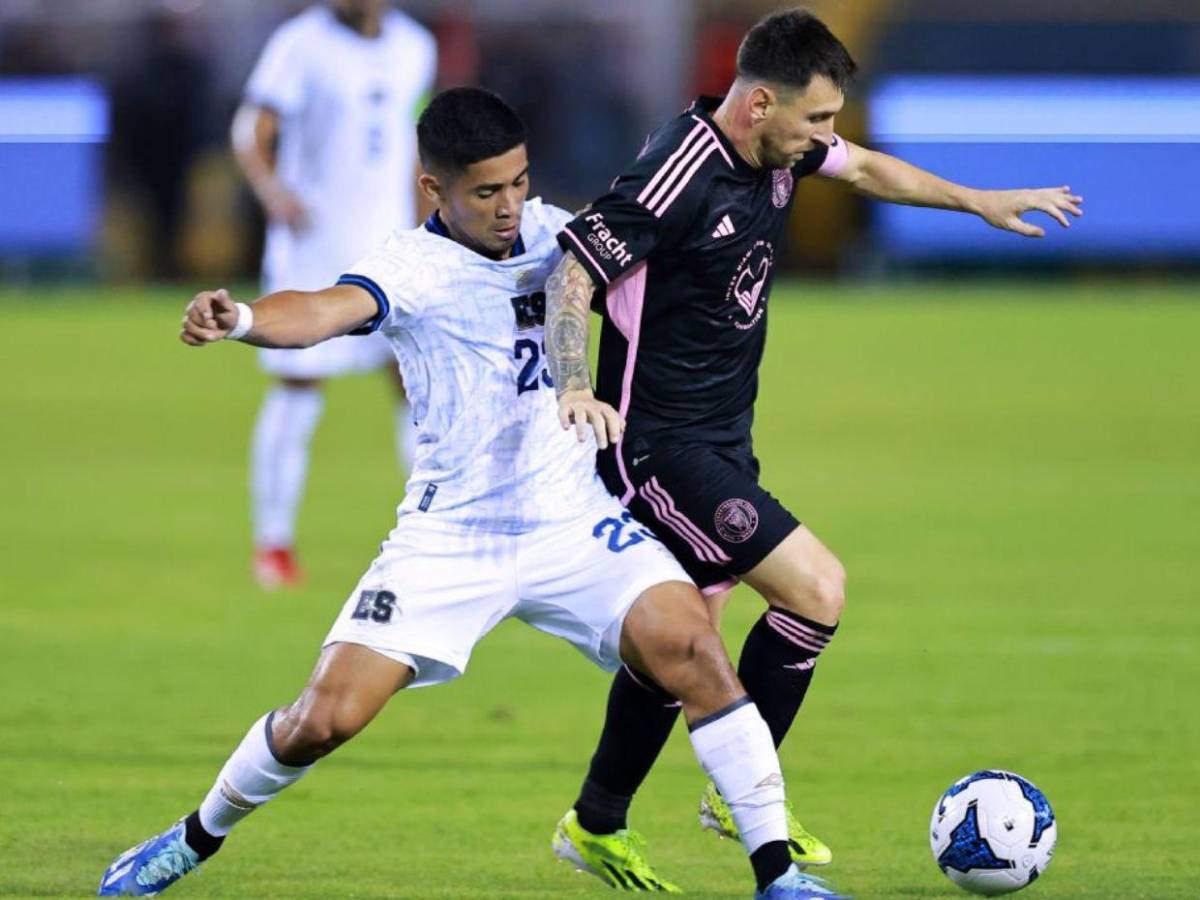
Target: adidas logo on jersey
[[724, 227]]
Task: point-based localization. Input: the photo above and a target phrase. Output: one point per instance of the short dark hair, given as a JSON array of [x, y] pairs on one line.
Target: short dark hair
[[465, 125], [790, 47]]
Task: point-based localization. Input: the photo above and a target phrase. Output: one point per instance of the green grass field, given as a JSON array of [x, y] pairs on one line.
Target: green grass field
[[1011, 474]]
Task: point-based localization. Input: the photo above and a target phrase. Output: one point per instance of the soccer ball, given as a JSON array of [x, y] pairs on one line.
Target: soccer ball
[[993, 832]]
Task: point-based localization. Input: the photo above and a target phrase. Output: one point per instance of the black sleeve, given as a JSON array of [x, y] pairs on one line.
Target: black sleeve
[[812, 160], [650, 205]]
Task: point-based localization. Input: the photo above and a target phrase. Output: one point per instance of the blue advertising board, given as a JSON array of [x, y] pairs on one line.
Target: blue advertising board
[[52, 135], [1130, 146]]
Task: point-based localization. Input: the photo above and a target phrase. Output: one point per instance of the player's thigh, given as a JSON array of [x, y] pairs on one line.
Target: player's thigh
[[429, 597], [579, 579], [802, 575], [716, 601]]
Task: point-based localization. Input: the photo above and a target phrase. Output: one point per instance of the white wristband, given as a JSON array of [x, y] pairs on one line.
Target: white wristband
[[245, 321]]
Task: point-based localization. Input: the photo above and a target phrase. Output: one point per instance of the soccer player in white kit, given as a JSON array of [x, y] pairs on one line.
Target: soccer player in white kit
[[325, 138], [504, 515]]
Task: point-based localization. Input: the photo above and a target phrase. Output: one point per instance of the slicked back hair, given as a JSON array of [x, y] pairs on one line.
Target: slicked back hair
[[465, 125], [788, 48]]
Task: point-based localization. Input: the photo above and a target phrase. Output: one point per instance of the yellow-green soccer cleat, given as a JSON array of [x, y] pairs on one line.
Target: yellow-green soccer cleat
[[616, 859], [807, 849]]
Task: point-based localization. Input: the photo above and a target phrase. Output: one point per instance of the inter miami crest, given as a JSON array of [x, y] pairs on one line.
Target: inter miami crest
[[736, 520], [782, 183]]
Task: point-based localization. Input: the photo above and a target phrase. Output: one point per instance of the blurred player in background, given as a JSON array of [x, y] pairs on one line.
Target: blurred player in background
[[504, 515], [326, 139], [683, 249]]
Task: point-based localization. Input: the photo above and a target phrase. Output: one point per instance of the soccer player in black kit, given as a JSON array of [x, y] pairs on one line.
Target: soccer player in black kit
[[678, 258]]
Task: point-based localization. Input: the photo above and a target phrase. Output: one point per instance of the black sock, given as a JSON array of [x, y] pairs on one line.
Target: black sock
[[636, 727], [777, 664], [601, 811], [198, 839], [770, 861]]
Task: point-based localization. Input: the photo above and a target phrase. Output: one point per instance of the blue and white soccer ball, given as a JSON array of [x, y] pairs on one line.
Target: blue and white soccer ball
[[993, 832]]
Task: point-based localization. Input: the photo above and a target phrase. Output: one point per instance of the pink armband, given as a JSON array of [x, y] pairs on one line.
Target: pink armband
[[835, 159]]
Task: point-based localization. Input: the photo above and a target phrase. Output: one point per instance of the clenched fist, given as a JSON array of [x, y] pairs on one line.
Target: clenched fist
[[209, 317]]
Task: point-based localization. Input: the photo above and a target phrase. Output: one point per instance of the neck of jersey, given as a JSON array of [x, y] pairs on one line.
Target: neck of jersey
[[435, 225]]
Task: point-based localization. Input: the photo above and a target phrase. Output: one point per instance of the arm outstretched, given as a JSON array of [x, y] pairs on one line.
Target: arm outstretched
[[884, 177]]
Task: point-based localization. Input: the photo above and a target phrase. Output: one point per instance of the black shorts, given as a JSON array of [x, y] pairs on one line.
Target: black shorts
[[705, 504]]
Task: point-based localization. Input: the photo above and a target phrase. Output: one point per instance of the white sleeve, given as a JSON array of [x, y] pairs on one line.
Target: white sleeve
[[557, 217], [390, 275], [277, 81]]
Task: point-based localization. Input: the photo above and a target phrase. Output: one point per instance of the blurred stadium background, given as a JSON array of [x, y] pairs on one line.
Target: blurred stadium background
[[114, 117], [1001, 437]]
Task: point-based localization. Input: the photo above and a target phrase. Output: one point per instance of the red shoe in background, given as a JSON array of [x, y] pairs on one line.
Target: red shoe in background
[[276, 567]]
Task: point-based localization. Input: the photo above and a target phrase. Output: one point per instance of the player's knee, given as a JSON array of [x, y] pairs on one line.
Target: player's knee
[[693, 662], [831, 594], [706, 653], [699, 657], [315, 729], [691, 644], [320, 733], [821, 597]]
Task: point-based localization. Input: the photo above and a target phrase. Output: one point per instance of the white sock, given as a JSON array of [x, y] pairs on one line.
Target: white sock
[[249, 778], [406, 437], [279, 461], [734, 747]]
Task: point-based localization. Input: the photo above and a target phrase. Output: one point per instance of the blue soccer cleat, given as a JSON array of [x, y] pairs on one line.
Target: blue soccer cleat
[[795, 885], [151, 867]]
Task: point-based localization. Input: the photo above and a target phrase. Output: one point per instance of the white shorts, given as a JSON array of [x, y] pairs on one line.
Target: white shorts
[[336, 356], [437, 588]]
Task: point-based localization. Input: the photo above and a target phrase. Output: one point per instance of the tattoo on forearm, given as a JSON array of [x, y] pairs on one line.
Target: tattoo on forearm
[[568, 309]]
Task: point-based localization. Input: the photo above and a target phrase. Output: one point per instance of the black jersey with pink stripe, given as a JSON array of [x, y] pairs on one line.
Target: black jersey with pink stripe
[[684, 246]]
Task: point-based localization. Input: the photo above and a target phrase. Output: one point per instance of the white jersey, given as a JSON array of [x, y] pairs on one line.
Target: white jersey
[[347, 143], [468, 334]]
